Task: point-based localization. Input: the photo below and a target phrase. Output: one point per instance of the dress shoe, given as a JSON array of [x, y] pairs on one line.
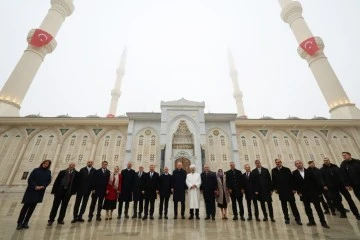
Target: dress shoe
[[299, 223], [272, 220], [80, 220], [166, 217], [265, 219], [258, 219], [160, 216], [235, 218], [249, 218], [175, 217], [106, 219], [197, 218], [134, 216], [311, 224], [182, 216], [49, 223], [90, 219], [191, 217], [19, 226], [98, 219], [139, 216], [152, 217], [324, 225], [326, 212], [144, 217], [119, 216], [242, 218], [25, 225], [287, 221], [61, 222], [74, 220], [213, 218], [126, 216], [333, 213], [207, 218]]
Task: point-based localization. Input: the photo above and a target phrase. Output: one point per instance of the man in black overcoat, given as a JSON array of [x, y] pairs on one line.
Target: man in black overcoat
[[65, 185], [127, 188], [334, 183], [351, 168], [235, 185], [263, 189], [308, 187], [83, 193], [150, 191], [282, 182], [165, 183], [137, 195], [99, 183], [178, 189], [209, 189], [249, 187]]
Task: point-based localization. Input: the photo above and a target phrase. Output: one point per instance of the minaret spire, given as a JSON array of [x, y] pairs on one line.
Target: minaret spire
[[116, 91], [237, 93], [311, 49], [41, 42]]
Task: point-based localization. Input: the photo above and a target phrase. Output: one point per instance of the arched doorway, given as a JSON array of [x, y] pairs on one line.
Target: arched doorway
[[185, 162]]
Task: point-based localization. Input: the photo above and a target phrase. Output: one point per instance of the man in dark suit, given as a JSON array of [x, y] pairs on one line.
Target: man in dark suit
[[164, 192], [250, 196], [99, 181], [325, 193], [150, 191], [209, 190], [127, 188], [83, 193], [334, 181], [65, 185], [178, 189], [263, 189], [308, 187], [351, 168], [282, 182], [137, 195], [235, 185]]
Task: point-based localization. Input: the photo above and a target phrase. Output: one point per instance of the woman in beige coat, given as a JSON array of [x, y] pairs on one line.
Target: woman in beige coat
[[223, 197]]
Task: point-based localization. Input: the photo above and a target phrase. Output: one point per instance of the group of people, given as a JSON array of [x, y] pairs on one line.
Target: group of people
[[107, 189]]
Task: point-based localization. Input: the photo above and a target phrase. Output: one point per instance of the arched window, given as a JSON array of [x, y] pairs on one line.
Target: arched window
[[141, 140], [38, 140], [107, 141]]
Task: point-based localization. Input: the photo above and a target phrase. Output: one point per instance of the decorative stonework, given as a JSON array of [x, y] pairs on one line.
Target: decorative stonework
[[182, 134]]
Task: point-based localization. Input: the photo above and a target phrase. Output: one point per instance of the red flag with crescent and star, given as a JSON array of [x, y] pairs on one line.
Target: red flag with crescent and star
[[310, 46], [40, 38]]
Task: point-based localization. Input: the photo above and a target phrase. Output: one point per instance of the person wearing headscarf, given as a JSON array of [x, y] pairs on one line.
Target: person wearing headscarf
[[113, 190], [223, 196], [193, 182]]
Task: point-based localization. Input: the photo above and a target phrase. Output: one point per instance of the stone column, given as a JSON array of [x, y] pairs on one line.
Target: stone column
[[16, 87], [332, 90]]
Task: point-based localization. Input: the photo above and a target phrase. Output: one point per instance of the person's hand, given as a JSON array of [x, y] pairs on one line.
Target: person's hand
[[276, 191], [172, 190], [294, 191], [230, 191], [326, 188], [300, 194], [107, 192], [143, 192], [348, 188], [257, 193], [93, 191], [37, 188], [157, 191]]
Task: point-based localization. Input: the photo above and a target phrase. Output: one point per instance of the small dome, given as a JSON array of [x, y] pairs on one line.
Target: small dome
[[93, 116], [293, 118], [63, 116], [33, 116], [266, 118], [319, 118]]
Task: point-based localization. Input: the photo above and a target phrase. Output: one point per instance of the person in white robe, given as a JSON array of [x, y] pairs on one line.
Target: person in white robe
[[193, 182]]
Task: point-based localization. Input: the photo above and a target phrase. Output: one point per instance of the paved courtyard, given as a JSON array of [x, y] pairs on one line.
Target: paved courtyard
[[167, 229]]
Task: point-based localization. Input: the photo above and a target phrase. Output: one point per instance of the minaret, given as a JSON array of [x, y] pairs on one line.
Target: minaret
[[41, 42], [116, 92], [237, 93], [311, 49]]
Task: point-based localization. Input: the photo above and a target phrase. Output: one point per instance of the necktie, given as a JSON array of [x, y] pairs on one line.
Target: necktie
[[151, 175], [259, 170], [139, 174], [103, 171], [247, 175]]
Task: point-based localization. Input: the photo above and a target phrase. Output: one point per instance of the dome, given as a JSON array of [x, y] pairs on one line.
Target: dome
[[33, 116], [266, 118], [93, 116], [319, 118], [63, 116], [293, 118]]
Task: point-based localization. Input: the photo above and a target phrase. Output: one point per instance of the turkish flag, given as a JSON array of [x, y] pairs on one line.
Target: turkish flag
[[40, 38], [310, 46]]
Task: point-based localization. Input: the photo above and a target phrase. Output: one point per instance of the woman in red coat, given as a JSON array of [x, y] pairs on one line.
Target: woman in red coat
[[113, 190]]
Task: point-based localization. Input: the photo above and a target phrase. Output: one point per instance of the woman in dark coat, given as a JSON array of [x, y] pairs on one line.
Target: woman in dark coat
[[38, 180]]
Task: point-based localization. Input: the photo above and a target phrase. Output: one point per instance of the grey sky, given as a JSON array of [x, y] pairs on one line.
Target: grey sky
[[177, 48]]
